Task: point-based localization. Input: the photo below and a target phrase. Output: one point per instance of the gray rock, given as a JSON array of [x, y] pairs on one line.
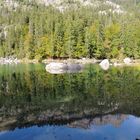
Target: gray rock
[[104, 64], [127, 61], [59, 68], [56, 66]]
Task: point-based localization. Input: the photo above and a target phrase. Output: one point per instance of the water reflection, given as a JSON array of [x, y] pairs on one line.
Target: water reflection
[[84, 104], [127, 128]]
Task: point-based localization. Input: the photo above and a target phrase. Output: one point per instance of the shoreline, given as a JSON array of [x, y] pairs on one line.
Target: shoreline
[[114, 62]]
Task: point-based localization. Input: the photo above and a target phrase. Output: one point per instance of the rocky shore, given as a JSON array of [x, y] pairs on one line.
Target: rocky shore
[[111, 62], [9, 60]]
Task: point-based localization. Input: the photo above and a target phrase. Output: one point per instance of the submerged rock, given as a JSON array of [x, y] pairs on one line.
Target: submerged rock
[[105, 64], [74, 67]]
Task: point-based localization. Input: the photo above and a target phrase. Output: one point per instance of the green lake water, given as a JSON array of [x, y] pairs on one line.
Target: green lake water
[[90, 105]]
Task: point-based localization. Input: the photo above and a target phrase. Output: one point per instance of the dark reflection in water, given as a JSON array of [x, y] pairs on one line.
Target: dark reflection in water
[[128, 129], [93, 104]]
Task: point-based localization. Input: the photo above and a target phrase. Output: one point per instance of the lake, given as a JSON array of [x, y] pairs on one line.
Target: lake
[[89, 105]]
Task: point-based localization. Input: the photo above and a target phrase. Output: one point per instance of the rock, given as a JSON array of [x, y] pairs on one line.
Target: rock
[[104, 64], [83, 58], [56, 66], [59, 68], [9, 60], [31, 117], [127, 60]]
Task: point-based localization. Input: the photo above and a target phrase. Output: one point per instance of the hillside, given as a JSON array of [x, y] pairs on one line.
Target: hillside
[[69, 28], [65, 4]]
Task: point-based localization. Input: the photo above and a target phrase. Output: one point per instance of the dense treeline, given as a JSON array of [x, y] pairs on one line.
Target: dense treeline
[[37, 31]]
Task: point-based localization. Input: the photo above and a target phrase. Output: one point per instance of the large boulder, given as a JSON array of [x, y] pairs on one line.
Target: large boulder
[[56, 66], [59, 68], [104, 64], [127, 61]]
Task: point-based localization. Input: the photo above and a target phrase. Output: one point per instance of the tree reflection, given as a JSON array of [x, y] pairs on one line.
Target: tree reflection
[[28, 94]]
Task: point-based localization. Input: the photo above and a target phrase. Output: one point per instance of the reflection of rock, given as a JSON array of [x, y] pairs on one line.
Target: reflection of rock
[[115, 120], [59, 68], [127, 60], [30, 117], [56, 117], [84, 123], [105, 64], [0, 119], [52, 71]]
